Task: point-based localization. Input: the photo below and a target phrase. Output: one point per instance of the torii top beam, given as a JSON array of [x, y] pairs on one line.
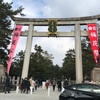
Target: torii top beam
[[61, 21]]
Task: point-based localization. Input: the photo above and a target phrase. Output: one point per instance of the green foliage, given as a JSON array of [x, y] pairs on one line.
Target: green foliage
[[17, 65], [87, 58], [40, 66], [68, 68], [6, 15]]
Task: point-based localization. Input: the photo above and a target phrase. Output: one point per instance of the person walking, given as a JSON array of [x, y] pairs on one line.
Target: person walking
[[65, 83], [47, 84], [36, 84], [59, 83], [32, 84], [27, 85], [7, 84], [21, 85], [54, 84]]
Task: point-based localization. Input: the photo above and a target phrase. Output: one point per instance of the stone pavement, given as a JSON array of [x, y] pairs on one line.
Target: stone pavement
[[39, 94]]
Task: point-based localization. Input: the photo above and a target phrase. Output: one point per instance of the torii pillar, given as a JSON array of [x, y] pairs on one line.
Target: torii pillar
[[78, 54], [27, 52]]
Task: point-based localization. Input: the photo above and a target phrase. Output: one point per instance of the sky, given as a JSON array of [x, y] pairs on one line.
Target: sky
[[54, 9]]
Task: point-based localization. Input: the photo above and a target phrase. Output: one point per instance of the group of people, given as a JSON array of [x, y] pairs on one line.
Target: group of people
[[27, 84], [59, 83]]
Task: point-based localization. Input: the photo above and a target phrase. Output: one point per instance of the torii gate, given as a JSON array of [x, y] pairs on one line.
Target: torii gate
[[77, 33]]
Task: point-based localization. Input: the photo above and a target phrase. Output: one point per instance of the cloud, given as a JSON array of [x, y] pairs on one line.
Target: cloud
[[70, 8], [9, 1], [56, 46]]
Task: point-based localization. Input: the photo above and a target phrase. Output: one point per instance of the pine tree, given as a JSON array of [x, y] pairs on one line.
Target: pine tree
[[6, 15]]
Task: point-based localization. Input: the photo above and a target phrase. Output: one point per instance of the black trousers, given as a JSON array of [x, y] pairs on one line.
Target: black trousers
[[54, 87], [7, 89]]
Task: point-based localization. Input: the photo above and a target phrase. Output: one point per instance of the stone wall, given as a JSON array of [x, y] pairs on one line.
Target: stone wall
[[2, 71], [95, 74]]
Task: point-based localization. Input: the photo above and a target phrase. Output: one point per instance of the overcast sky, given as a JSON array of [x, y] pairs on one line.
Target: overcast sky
[[54, 9]]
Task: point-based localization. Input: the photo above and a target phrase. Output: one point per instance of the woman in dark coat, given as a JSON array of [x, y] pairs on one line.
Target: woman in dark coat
[[59, 85]]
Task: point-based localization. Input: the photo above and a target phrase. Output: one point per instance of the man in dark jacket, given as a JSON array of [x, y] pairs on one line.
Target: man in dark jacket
[[7, 84], [27, 85]]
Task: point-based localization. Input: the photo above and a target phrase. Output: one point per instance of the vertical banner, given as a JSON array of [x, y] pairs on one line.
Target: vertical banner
[[92, 32], [15, 38]]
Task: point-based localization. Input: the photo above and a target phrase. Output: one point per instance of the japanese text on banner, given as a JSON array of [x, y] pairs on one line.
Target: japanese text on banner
[[92, 32], [15, 38]]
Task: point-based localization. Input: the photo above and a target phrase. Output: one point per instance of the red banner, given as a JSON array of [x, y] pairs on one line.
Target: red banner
[[92, 32], [15, 38]]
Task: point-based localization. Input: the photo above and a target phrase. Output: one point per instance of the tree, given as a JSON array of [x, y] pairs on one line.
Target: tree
[[88, 61], [40, 66], [17, 65], [68, 68], [6, 15], [56, 72]]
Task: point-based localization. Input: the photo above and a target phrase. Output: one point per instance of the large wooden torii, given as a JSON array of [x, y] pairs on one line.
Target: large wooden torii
[[77, 33]]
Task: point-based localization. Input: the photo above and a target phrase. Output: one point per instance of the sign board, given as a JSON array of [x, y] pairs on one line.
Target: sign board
[[52, 27]]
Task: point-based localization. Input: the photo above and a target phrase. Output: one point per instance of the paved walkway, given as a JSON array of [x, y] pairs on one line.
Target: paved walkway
[[39, 94]]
